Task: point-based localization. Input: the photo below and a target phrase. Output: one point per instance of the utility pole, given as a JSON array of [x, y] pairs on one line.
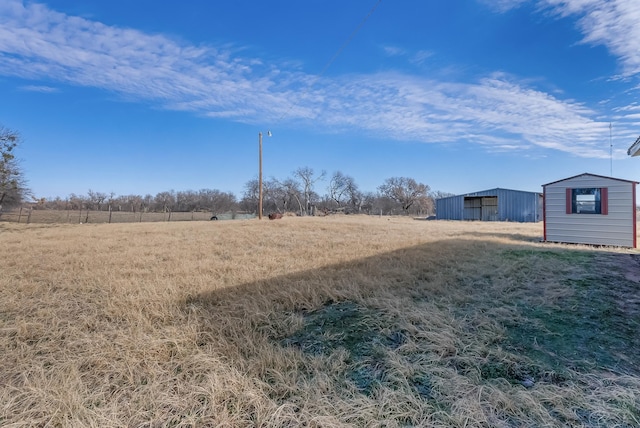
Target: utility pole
[[260, 173], [260, 177]]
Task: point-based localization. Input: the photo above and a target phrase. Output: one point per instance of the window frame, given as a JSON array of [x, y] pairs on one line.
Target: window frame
[[601, 200]]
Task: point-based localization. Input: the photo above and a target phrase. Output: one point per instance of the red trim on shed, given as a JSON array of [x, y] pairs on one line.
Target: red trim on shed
[[568, 210], [544, 214], [635, 213], [604, 201]]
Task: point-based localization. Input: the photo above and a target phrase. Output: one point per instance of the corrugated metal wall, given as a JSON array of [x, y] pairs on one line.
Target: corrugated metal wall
[[513, 205], [451, 208], [615, 228]]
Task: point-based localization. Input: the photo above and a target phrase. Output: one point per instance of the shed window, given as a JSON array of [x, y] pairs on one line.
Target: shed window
[[592, 200]]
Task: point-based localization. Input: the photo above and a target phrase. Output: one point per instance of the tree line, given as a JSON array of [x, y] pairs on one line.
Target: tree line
[[299, 193]]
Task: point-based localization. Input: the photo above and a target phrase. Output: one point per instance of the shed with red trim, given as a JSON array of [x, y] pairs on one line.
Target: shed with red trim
[[590, 209]]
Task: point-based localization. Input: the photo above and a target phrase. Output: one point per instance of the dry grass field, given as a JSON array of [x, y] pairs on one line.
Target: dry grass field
[[318, 322]]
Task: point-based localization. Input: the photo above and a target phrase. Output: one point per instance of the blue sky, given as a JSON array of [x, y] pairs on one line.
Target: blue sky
[[463, 95]]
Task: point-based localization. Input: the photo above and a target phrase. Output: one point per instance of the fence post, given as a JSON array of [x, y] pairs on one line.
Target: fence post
[[29, 216], [20, 215], [109, 214]]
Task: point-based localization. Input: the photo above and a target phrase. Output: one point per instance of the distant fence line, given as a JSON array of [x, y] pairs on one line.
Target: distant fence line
[[43, 216]]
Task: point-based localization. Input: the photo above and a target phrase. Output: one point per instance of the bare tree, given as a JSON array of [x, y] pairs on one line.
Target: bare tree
[[403, 190], [135, 202], [344, 191], [146, 202], [439, 194], [95, 200], [216, 201], [56, 203], [289, 194], [294, 192], [249, 201], [165, 201], [187, 200], [354, 195], [308, 179], [368, 202], [76, 202], [381, 204], [270, 194], [424, 205], [338, 188], [131, 203], [12, 183]]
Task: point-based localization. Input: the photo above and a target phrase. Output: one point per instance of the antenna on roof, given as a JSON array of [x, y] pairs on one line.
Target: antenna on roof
[[610, 150]]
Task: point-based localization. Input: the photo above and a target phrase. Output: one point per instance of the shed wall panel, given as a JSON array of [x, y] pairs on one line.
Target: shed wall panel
[[450, 208]]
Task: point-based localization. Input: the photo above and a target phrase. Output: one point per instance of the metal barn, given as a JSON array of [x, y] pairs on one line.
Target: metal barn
[[492, 205], [590, 209]]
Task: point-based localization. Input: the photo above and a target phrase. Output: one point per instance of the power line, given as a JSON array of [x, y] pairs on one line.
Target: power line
[[346, 43], [335, 55]]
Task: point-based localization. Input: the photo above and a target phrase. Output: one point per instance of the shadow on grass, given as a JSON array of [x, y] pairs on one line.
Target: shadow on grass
[[490, 311], [515, 237], [597, 326]]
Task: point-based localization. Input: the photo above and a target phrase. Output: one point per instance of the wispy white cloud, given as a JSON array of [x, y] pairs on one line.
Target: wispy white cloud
[[631, 107], [37, 43], [612, 23], [393, 51], [498, 111], [39, 88], [418, 57], [421, 56], [503, 5], [494, 112]]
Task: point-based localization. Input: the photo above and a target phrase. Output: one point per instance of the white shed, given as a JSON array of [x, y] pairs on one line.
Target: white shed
[[590, 209]]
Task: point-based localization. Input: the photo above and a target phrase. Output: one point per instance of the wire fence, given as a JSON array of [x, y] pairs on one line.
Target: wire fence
[[29, 215]]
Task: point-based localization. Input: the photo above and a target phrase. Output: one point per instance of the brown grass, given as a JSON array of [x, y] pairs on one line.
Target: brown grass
[[336, 321]]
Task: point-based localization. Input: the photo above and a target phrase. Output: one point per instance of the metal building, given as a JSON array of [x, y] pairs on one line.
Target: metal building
[[590, 209], [492, 205]]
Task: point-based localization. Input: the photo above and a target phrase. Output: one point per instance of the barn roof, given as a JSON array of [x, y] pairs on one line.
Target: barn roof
[[489, 192], [634, 150], [591, 175]]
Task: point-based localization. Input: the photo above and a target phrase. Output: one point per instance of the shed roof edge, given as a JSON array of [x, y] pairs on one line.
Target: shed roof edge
[[592, 175]]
